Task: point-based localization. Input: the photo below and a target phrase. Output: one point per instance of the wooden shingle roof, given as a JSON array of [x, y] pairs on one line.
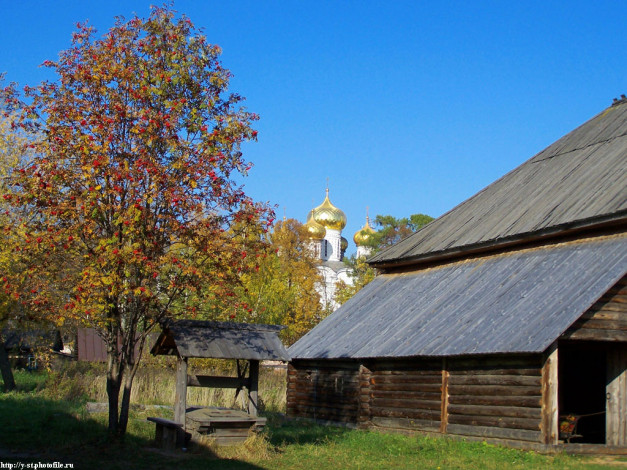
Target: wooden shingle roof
[[515, 302], [577, 182], [221, 340]]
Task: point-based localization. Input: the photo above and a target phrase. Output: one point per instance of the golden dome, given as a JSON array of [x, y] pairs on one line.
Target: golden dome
[[315, 231], [329, 216], [364, 234]]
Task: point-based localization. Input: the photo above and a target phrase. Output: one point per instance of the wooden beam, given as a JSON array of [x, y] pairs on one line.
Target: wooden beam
[[216, 381], [253, 388], [616, 394], [445, 396], [550, 417], [180, 399]]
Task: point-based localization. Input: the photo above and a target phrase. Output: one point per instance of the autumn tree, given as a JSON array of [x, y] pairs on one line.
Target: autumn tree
[[130, 206], [280, 286], [13, 150]]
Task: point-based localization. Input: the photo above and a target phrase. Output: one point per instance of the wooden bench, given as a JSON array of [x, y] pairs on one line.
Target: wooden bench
[[169, 434]]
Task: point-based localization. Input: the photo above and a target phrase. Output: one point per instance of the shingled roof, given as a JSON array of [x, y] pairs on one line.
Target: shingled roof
[[221, 340], [505, 303], [577, 182]]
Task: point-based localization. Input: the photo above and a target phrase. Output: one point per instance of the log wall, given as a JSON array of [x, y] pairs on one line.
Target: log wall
[[496, 397], [406, 394], [606, 320], [324, 391]]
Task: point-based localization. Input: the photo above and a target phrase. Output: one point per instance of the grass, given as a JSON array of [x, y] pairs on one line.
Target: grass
[[45, 420]]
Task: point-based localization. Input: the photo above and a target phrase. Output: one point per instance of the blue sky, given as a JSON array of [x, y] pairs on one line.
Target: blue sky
[[406, 106]]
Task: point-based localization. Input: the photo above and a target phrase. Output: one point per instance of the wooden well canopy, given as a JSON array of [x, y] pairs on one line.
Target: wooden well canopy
[[219, 340]]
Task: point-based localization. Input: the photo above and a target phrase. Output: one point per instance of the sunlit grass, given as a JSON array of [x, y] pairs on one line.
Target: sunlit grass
[[40, 421]]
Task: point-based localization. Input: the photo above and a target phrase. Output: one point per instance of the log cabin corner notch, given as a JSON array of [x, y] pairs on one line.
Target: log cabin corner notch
[[503, 319]]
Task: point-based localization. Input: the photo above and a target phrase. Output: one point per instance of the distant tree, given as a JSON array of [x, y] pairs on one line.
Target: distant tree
[[391, 230], [129, 207]]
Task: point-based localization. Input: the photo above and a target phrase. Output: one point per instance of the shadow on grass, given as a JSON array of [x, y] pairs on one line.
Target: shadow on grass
[[285, 432], [37, 429]]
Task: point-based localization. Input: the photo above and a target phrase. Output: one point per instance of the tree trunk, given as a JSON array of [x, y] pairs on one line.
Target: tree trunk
[[5, 368], [114, 381]]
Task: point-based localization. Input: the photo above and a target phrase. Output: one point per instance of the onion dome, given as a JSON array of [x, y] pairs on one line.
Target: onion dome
[[364, 234], [344, 244], [329, 216], [315, 231]]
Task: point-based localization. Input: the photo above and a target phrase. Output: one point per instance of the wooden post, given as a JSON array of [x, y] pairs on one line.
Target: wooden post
[[550, 412], [363, 417], [180, 399], [616, 394], [253, 405], [444, 408]]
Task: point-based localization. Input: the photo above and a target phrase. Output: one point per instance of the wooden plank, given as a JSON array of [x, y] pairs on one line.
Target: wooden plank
[[407, 403], [407, 423], [595, 324], [180, 398], [508, 411], [500, 380], [531, 372], [497, 422], [444, 400], [400, 379], [419, 395], [497, 400], [496, 433], [490, 390], [550, 400], [602, 315], [408, 387], [253, 389], [411, 413], [616, 389], [216, 381], [588, 334]]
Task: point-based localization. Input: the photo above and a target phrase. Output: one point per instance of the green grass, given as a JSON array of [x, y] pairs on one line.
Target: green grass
[[42, 422]]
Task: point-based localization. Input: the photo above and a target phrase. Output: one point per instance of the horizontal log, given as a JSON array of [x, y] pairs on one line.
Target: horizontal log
[[610, 305], [406, 423], [530, 372], [501, 380], [410, 413], [407, 403], [406, 373], [320, 399], [436, 387], [402, 379], [497, 400], [619, 325], [216, 381], [405, 364], [496, 433], [494, 362], [431, 395], [588, 334], [505, 411], [496, 422], [491, 390], [602, 315]]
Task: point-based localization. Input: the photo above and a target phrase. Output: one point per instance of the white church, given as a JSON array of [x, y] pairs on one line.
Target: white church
[[324, 226]]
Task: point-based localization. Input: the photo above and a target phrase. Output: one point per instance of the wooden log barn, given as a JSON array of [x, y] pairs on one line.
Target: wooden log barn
[[505, 319], [248, 343]]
